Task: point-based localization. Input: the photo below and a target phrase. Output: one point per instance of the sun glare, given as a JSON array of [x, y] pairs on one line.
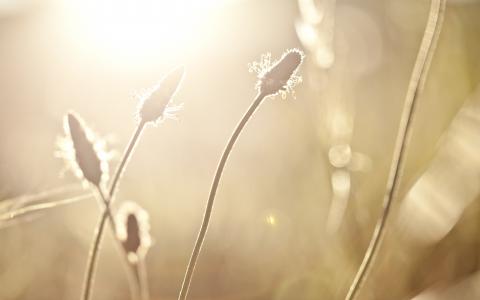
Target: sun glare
[[127, 29]]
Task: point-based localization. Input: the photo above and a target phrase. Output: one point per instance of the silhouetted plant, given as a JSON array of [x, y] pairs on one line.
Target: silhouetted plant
[[133, 231], [155, 105], [88, 161], [274, 78]]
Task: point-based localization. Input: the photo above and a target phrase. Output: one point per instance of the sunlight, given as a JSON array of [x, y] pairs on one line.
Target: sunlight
[[141, 29]]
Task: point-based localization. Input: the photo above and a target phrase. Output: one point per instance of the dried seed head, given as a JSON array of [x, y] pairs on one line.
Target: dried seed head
[[133, 231], [279, 76], [154, 104], [84, 154]]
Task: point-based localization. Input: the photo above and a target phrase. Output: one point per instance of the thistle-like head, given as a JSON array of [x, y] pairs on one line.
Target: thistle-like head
[[133, 230], [279, 76], [155, 103], [83, 152]]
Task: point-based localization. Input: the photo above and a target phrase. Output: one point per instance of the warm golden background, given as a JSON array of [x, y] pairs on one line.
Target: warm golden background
[[302, 189]]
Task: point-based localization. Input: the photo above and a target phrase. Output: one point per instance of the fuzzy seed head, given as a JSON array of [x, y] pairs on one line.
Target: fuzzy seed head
[[84, 154], [279, 77], [133, 230], [155, 103]]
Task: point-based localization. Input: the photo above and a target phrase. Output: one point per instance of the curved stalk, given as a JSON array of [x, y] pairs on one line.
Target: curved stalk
[[94, 251], [209, 208], [107, 200], [419, 74], [125, 159]]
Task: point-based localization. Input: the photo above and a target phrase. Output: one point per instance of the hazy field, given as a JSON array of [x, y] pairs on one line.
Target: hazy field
[[302, 190]]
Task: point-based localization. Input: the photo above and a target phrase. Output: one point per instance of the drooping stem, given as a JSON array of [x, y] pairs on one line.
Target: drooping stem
[[209, 207], [417, 79], [107, 200]]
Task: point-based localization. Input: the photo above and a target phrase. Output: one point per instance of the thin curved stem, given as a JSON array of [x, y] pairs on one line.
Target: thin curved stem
[[143, 279], [418, 77], [134, 282], [30, 199], [94, 251], [10, 215], [132, 275], [125, 159], [107, 200], [216, 180]]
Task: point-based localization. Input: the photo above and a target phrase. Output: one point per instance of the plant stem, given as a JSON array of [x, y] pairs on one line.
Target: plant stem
[[35, 208], [417, 79], [107, 200], [142, 279], [216, 180], [92, 259], [125, 158], [31, 199], [133, 279]]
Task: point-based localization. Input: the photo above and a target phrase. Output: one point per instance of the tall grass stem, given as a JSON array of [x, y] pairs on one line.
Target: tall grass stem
[[94, 251], [209, 207], [107, 200], [125, 159], [143, 279], [417, 80]]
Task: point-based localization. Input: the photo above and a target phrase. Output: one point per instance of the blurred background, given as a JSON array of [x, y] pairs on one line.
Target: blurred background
[[303, 188]]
